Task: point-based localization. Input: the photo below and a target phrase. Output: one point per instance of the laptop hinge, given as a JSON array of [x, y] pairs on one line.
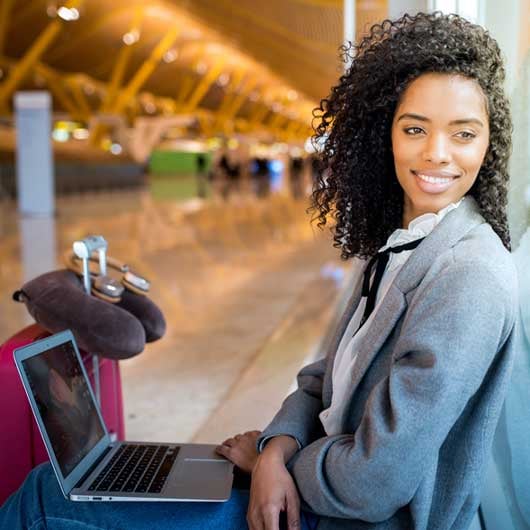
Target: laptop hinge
[[93, 466]]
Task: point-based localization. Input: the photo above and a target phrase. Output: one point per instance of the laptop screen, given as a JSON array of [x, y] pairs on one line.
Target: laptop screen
[[65, 404]]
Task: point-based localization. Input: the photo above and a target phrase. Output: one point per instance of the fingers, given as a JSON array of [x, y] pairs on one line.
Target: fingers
[[293, 511], [271, 518], [266, 519], [222, 450]]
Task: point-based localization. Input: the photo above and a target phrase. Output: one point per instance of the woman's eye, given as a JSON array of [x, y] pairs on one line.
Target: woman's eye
[[413, 131], [466, 135]]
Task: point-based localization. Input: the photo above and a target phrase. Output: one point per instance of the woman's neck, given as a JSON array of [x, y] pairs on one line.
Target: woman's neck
[[410, 213]]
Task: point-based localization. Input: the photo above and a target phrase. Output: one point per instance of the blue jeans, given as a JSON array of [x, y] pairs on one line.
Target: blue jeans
[[39, 504]]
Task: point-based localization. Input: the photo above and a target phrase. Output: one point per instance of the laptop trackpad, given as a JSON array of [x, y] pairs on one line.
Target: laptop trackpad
[[202, 469], [202, 480]]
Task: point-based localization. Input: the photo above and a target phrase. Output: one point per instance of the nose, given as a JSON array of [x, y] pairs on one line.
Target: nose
[[437, 150]]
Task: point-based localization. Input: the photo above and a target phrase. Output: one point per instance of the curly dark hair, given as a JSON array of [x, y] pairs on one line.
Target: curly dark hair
[[356, 183]]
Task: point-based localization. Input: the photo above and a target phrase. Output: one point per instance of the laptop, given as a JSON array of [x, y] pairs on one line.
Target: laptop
[[88, 464]]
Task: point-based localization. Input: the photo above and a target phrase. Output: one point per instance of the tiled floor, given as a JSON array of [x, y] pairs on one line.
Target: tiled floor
[[248, 289]]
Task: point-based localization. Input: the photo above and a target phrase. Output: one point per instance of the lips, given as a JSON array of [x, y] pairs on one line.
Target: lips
[[434, 181]]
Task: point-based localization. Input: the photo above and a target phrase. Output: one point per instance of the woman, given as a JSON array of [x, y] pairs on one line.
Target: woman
[[392, 429]]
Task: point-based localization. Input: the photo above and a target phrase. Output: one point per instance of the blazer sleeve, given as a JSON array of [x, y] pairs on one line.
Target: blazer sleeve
[[298, 415], [455, 325]]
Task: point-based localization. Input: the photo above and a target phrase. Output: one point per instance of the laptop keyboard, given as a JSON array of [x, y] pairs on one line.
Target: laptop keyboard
[[136, 468]]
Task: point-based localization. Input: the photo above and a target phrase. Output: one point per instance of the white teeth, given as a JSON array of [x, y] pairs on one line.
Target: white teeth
[[434, 180]]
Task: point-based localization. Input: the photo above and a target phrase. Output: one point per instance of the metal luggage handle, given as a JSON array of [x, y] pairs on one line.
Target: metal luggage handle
[[84, 249]]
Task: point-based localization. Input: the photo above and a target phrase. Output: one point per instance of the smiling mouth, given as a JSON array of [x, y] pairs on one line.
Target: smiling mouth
[[431, 179]]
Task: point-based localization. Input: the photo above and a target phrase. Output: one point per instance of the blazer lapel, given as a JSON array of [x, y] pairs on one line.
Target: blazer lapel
[[388, 314]]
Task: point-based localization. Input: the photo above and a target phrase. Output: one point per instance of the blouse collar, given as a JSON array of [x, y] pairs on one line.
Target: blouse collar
[[419, 227]]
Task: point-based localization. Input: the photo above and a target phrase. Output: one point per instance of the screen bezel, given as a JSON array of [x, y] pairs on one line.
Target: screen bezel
[[66, 483]]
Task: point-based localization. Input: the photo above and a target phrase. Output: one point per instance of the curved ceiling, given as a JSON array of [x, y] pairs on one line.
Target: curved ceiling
[[260, 61]]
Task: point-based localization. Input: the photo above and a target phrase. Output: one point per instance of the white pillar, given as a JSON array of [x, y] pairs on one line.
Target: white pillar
[[37, 245], [349, 25], [397, 8], [349, 21], [502, 19], [36, 194]]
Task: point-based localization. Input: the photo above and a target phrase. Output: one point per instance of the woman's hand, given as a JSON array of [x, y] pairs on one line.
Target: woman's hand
[[272, 491], [241, 450]]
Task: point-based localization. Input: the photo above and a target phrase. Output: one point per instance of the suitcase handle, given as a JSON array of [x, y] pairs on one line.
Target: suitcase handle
[[84, 249]]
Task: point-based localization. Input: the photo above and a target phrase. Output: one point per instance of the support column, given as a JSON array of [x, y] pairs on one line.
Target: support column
[[36, 200], [35, 179], [349, 21], [349, 25], [396, 8], [502, 21]]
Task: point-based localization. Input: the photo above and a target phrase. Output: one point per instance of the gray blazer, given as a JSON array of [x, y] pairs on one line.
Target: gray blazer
[[426, 392]]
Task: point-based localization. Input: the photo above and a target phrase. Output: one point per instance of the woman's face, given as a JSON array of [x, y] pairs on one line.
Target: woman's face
[[440, 135]]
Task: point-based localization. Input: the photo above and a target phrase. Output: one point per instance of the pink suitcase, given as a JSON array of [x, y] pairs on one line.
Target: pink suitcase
[[21, 446]]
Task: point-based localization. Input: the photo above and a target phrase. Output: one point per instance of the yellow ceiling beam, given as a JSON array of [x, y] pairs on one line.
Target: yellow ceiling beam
[[117, 76], [79, 97], [58, 90], [120, 66], [241, 97], [41, 44], [5, 19], [259, 115], [229, 97], [204, 85], [185, 88], [230, 94], [145, 71]]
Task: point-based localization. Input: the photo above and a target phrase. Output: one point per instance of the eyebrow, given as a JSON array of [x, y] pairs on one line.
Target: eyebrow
[[419, 117]]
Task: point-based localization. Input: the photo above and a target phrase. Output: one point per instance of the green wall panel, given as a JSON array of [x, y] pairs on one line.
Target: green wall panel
[[170, 162]]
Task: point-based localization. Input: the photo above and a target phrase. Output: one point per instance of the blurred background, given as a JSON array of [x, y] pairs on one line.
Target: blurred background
[[180, 131]]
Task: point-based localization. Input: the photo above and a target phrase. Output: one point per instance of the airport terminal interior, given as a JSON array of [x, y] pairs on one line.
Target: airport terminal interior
[[180, 131]]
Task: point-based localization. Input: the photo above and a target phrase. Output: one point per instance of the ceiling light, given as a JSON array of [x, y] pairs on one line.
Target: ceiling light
[[88, 89], [223, 79], [149, 107], [131, 37], [170, 56], [201, 68], [60, 135], [80, 134], [292, 95], [116, 149], [68, 13]]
